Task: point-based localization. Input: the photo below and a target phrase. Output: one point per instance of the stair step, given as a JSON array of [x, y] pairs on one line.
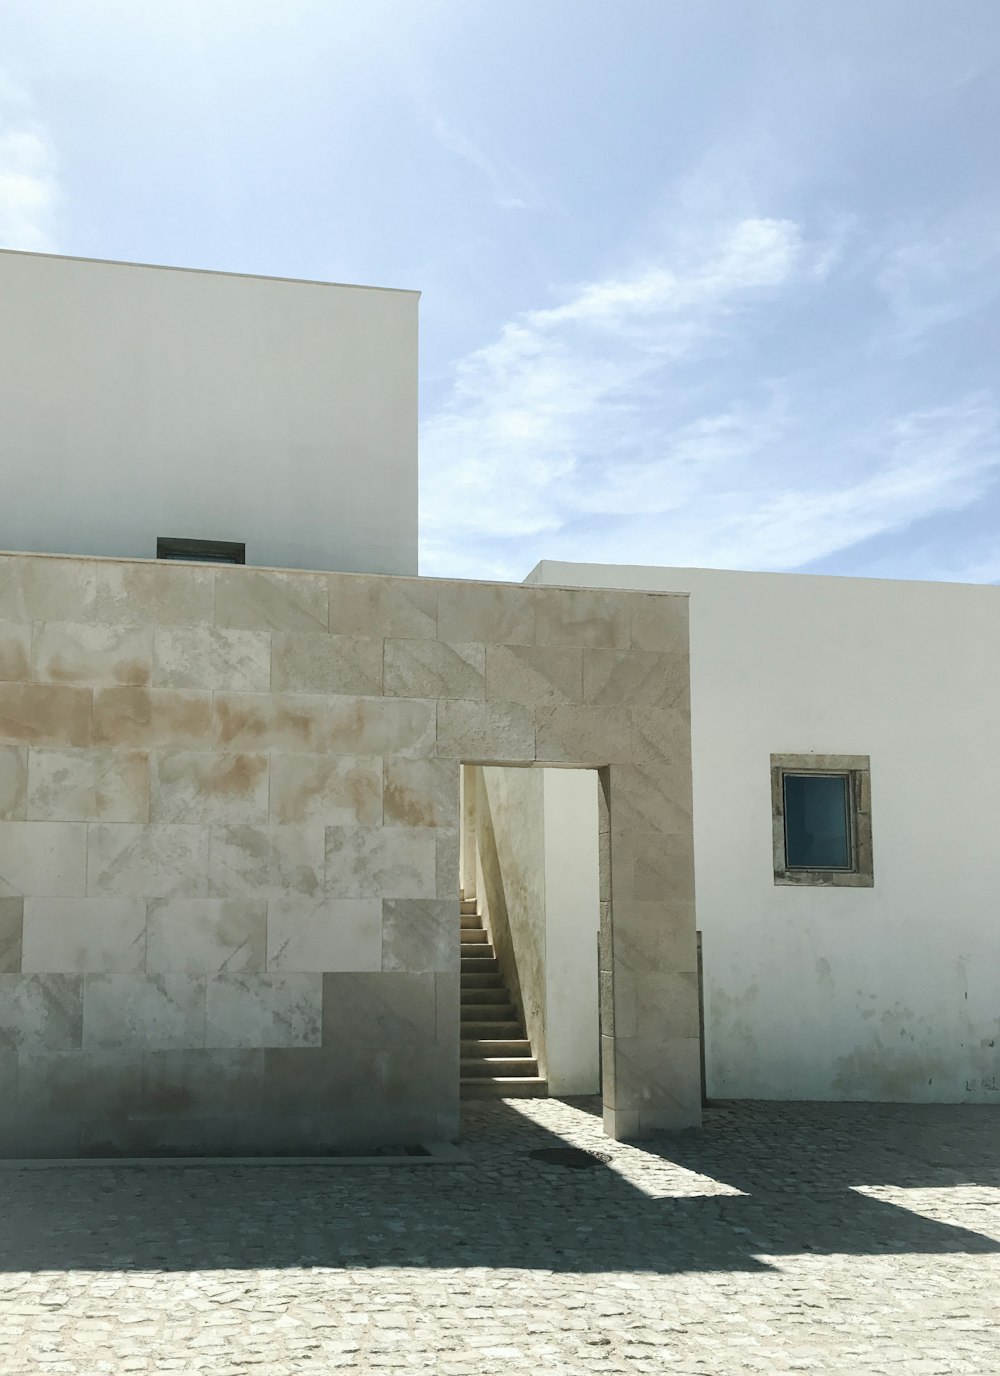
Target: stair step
[[504, 1087], [481, 1011], [481, 965], [480, 995], [469, 907], [471, 922], [474, 938], [493, 1046], [490, 1031], [474, 1068], [476, 950], [474, 980]]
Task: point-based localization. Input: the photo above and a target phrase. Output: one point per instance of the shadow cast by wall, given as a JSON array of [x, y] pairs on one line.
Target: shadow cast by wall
[[506, 1209]]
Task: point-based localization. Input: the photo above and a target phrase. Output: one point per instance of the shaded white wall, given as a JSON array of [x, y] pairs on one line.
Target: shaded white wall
[[140, 401], [544, 824], [888, 993]]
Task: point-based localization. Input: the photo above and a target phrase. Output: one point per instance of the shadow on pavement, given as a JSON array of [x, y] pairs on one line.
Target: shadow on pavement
[[794, 1163]]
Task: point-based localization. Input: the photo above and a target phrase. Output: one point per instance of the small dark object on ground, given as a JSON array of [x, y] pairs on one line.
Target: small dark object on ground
[[574, 1157]]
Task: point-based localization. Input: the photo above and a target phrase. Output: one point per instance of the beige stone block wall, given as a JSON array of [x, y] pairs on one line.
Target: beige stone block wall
[[229, 845]]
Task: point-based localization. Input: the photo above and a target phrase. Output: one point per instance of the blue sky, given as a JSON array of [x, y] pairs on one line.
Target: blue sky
[[711, 284]]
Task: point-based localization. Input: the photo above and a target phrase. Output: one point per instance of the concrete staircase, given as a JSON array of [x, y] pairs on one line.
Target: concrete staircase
[[496, 1055]]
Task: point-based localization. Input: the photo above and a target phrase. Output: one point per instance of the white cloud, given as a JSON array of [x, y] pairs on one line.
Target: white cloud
[[595, 428], [29, 190]]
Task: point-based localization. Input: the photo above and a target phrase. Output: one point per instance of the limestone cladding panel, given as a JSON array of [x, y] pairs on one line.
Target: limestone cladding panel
[[337, 790], [87, 785], [366, 606], [325, 663], [266, 862], [44, 859], [256, 601], [381, 862], [229, 846], [264, 1010], [74, 936], [212, 789], [40, 1012], [45, 714], [11, 924], [421, 793], [92, 654], [205, 936], [434, 669], [15, 652], [328, 934], [143, 1011], [13, 783], [420, 935], [151, 719], [211, 657], [147, 862]]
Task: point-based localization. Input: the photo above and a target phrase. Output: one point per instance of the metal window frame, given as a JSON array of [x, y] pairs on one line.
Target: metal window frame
[[849, 811], [857, 769], [201, 551]]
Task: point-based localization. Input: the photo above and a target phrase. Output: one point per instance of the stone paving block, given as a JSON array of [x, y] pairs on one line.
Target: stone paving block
[[381, 862], [151, 719], [329, 934], [336, 664], [265, 600], [421, 792], [89, 654], [210, 788], [87, 785], [143, 1011], [146, 862], [212, 657], [84, 935], [377, 606], [337, 790], [15, 651], [205, 936], [13, 783], [46, 859], [45, 714], [273, 1009]]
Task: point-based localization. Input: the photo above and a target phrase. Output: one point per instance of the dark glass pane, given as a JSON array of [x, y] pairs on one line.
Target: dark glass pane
[[817, 821]]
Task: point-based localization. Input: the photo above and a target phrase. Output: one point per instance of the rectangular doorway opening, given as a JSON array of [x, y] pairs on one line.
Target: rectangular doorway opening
[[530, 933]]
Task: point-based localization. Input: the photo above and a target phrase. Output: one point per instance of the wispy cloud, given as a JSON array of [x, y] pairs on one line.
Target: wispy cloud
[[29, 190], [595, 428], [506, 185], [567, 412]]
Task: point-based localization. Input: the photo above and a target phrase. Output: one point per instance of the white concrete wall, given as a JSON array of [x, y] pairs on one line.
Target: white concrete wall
[[137, 402], [888, 993], [572, 922], [544, 822]]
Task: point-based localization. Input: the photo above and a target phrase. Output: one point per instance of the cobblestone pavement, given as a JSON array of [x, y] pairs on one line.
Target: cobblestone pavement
[[809, 1238]]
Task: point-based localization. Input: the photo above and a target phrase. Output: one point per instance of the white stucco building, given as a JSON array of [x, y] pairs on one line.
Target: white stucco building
[[145, 402], [884, 990]]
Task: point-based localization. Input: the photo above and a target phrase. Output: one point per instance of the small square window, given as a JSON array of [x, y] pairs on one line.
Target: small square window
[[822, 820]]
